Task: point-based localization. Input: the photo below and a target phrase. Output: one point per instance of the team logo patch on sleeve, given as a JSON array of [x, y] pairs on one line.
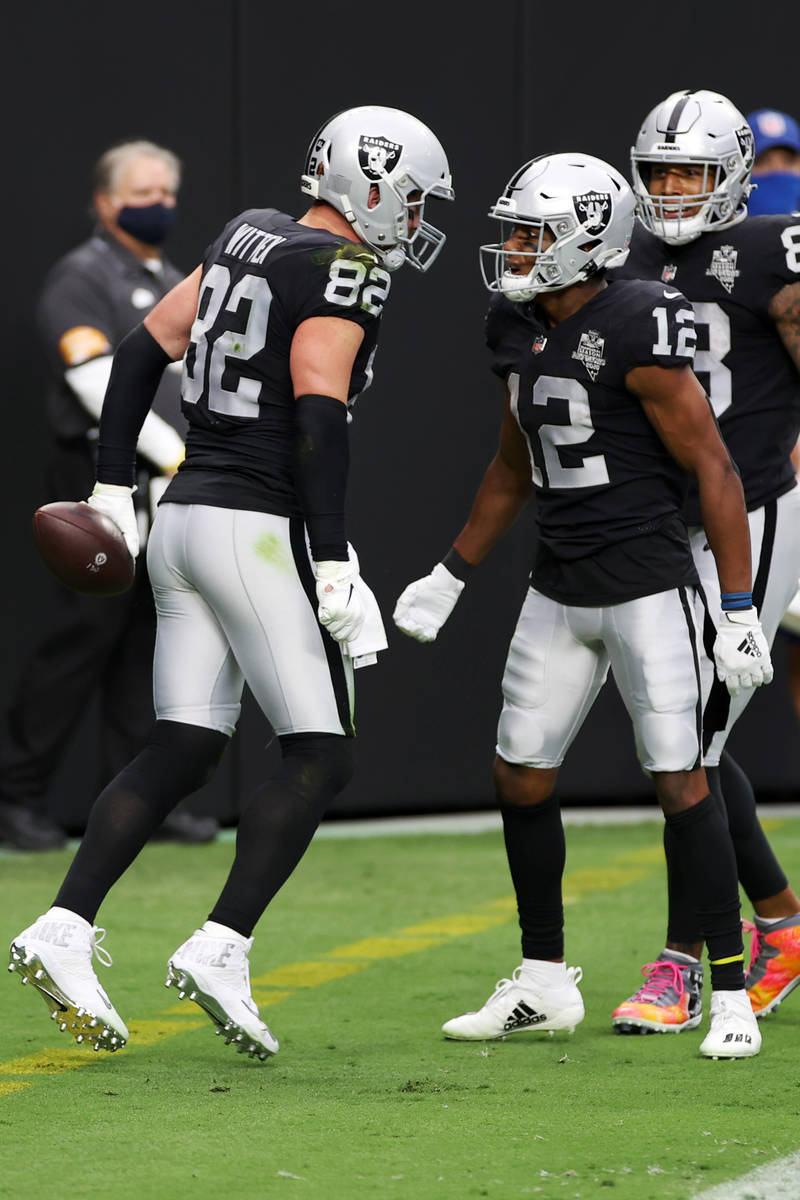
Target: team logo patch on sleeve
[[593, 210], [723, 266], [82, 342], [590, 352], [376, 155]]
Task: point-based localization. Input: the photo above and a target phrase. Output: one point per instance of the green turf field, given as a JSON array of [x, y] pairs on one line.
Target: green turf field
[[370, 946]]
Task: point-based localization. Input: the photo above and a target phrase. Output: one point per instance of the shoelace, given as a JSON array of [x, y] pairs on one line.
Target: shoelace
[[755, 944], [100, 952], [504, 983], [663, 975], [574, 975]]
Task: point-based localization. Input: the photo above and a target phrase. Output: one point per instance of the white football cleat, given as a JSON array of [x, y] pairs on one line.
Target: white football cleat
[[516, 1007], [213, 971], [55, 955], [734, 1031]]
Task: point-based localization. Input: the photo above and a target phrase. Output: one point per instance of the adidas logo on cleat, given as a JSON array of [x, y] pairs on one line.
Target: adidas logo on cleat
[[734, 1038], [522, 1016]]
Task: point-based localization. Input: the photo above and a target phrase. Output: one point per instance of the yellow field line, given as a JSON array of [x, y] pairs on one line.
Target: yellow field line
[[277, 985]]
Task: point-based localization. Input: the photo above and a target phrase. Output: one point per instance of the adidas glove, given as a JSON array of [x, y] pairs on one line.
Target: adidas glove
[[340, 606], [116, 501], [425, 605], [741, 652]]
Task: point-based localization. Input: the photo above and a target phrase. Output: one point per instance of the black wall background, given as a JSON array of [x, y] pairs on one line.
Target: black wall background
[[237, 88]]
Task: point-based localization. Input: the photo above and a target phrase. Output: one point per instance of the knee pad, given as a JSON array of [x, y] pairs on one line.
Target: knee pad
[[178, 758], [318, 762]]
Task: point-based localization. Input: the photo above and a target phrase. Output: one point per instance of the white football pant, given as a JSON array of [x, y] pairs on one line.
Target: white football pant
[[775, 549], [559, 659], [235, 598]]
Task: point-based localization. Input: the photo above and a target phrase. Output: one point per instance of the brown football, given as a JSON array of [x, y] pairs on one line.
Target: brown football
[[83, 548]]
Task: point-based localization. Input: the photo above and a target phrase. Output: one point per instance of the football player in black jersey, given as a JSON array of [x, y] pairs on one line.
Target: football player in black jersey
[[252, 572], [603, 418], [691, 168]]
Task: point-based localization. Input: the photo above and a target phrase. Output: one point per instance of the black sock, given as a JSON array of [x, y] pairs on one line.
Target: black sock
[[279, 822], [177, 760], [760, 873], [536, 853], [683, 926], [698, 835]]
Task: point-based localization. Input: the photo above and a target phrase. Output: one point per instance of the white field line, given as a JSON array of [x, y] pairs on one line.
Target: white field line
[[779, 1180], [480, 822]]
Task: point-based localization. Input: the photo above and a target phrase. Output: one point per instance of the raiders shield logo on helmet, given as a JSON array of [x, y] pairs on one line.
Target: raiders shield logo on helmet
[[376, 155], [747, 144], [593, 210]]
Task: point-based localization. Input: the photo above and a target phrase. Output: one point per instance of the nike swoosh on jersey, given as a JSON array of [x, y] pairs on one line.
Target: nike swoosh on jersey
[[671, 295]]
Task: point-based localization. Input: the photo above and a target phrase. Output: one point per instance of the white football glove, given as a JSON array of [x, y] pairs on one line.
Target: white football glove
[[116, 501], [424, 606], [340, 606], [741, 652]]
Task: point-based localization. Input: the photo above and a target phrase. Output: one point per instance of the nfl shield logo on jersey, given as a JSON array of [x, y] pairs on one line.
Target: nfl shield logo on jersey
[[593, 210], [723, 266], [669, 273], [376, 155], [590, 352], [539, 343]]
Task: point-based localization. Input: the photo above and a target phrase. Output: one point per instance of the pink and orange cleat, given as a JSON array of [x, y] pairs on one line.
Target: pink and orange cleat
[[774, 962], [670, 1000]]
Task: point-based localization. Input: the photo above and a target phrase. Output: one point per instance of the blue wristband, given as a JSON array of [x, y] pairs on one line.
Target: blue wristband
[[736, 600]]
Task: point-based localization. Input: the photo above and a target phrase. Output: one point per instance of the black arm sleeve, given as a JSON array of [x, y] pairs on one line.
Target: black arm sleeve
[[139, 363], [457, 565], [321, 459]]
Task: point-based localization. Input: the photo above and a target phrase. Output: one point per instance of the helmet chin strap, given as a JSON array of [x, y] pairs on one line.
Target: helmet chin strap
[[392, 259]]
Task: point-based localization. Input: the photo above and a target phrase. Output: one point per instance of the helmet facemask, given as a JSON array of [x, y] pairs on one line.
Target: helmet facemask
[[416, 241], [522, 263], [681, 217]]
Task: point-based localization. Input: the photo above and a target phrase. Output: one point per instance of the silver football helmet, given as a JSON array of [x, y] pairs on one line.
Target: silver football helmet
[[367, 162], [702, 129], [564, 218]]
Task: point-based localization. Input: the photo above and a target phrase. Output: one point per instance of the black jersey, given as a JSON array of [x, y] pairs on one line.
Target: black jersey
[[730, 277], [609, 494], [262, 277]]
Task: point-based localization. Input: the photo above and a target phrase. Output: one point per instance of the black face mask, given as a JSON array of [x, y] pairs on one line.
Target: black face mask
[[149, 223]]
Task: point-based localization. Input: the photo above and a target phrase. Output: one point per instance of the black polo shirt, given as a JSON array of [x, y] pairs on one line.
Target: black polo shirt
[[90, 299]]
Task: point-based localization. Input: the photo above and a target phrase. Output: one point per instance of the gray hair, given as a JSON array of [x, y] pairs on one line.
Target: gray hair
[[107, 169]]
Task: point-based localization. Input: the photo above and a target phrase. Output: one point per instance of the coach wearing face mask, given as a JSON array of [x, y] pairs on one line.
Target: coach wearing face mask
[[776, 170], [90, 299]]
